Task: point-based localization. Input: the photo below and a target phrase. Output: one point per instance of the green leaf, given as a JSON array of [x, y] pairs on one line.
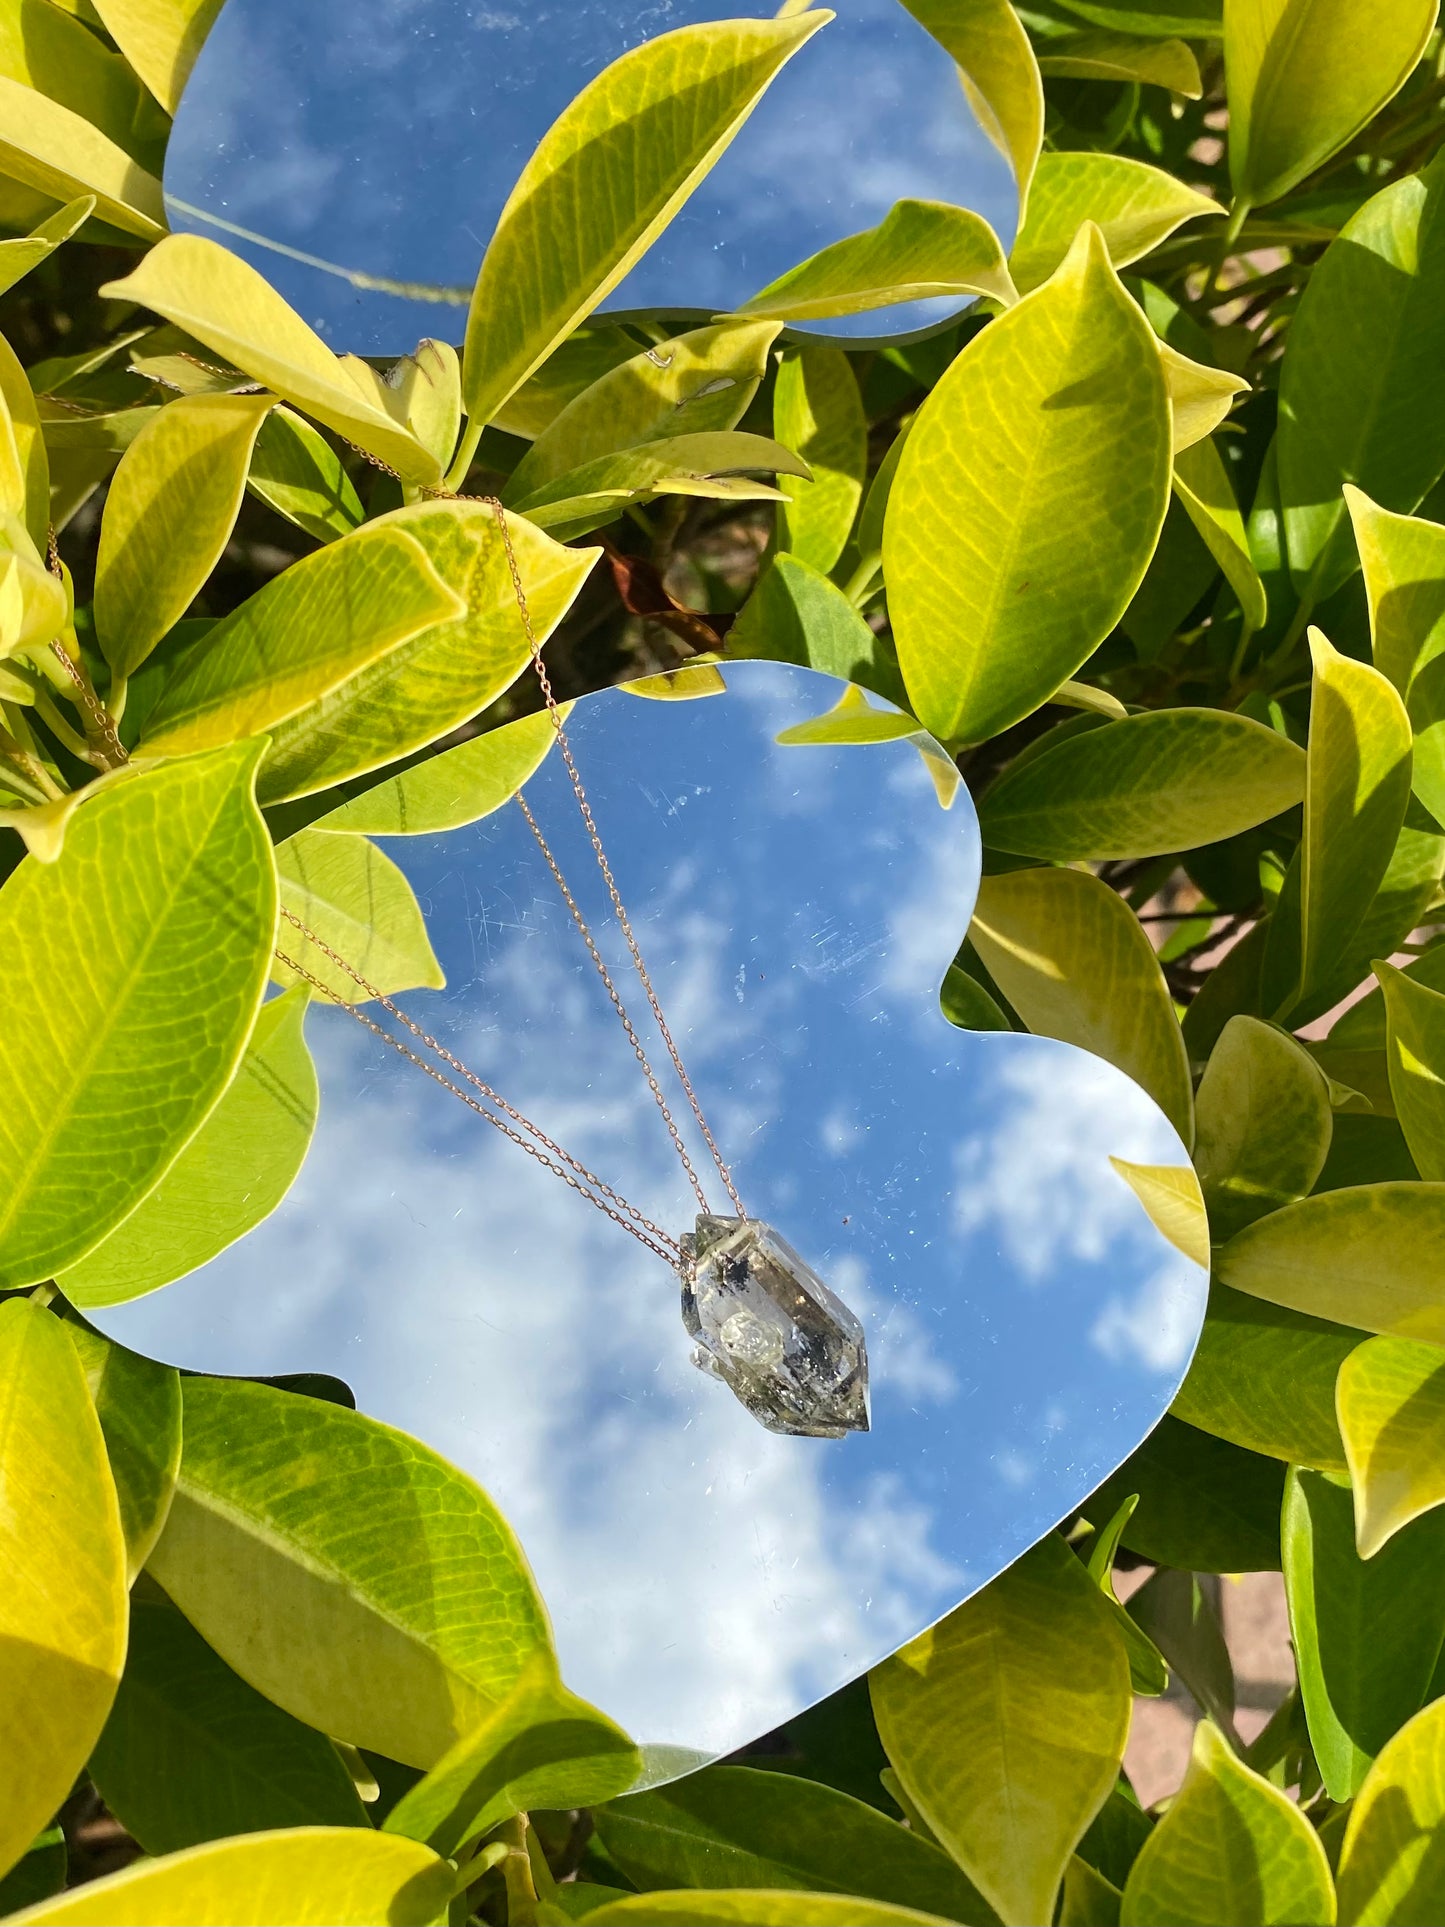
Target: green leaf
[[39, 1872], [1356, 789], [750, 1907], [428, 385], [1089, 1899], [1133, 205], [161, 39], [1202, 484], [1404, 564], [441, 675], [226, 304], [1231, 1847], [1199, 19], [797, 615], [1262, 1124], [1364, 1026], [1201, 398], [60, 155], [1305, 76], [297, 1877], [1000, 76], [919, 250], [818, 411], [19, 256], [1264, 1378], [1181, 1620], [852, 720], [604, 181], [737, 1827], [138, 1403], [107, 1084], [1391, 1870], [295, 471], [1073, 961], [169, 512], [991, 610], [1366, 1635], [1367, 1256], [457, 787], [1147, 1672], [1204, 1505], [1169, 779], [1416, 1050], [695, 384], [192, 1753], [345, 1570], [63, 1604], [1108, 56], [24, 468], [966, 1003], [540, 1747], [306, 632], [1362, 397], [705, 465], [232, 1174], [1006, 1723], [354, 898], [1391, 1401]]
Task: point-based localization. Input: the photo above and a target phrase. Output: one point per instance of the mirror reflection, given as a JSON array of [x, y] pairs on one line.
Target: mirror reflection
[[349, 143], [1026, 1325]]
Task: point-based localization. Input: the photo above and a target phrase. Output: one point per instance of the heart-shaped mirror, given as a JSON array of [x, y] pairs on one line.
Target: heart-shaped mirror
[[1026, 1323], [360, 151]]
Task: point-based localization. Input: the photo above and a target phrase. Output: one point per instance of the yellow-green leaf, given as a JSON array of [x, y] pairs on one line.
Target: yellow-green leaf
[[300, 636], [345, 1570], [232, 1174], [1117, 56], [1202, 484], [1392, 1871], [59, 154], [169, 512], [1264, 1378], [1390, 1397], [757, 1907], [1171, 1196], [19, 256], [296, 471], [818, 411], [1262, 1124], [138, 1403], [456, 787], [1074, 962], [919, 250], [1367, 1256], [1133, 205], [1230, 1848], [1000, 75], [106, 1084], [352, 897], [1028, 500], [161, 39], [604, 181], [1201, 398], [1167, 779], [440, 675], [1305, 76], [224, 302], [24, 467], [713, 465], [1006, 1724], [697, 383], [63, 1603], [1415, 1047], [852, 719], [295, 1877], [1404, 564], [428, 385]]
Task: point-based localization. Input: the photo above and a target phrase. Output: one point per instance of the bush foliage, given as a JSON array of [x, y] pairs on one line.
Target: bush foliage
[[1153, 541]]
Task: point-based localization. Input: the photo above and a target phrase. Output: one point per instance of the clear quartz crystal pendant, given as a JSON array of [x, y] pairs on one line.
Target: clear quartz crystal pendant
[[788, 1348]]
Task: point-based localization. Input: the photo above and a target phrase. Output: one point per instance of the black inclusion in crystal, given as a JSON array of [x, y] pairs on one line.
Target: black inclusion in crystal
[[765, 1323]]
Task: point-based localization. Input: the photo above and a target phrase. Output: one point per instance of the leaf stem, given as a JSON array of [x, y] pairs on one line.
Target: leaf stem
[[465, 455], [1238, 214], [46, 709]]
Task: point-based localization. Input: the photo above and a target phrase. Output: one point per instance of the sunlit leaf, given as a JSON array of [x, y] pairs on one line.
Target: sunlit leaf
[[1264, 1378], [1201, 398], [19, 256], [295, 1877], [59, 154], [345, 1570], [63, 1603], [138, 1403], [295, 471], [1107, 56], [715, 466], [920, 250], [1202, 484], [1262, 1124], [797, 615], [992, 601], [1416, 1051], [232, 1174], [1391, 1401], [160, 39], [604, 181], [818, 412], [1074, 962], [169, 512], [1134, 206], [24, 468], [1404, 565], [1392, 1871], [354, 899], [752, 1907], [1006, 1723], [1171, 1196], [1231, 1847], [1305, 76], [454, 788], [107, 1084], [1000, 76]]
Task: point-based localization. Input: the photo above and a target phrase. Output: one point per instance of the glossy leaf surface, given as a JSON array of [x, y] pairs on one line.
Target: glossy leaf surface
[[1391, 1403]]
